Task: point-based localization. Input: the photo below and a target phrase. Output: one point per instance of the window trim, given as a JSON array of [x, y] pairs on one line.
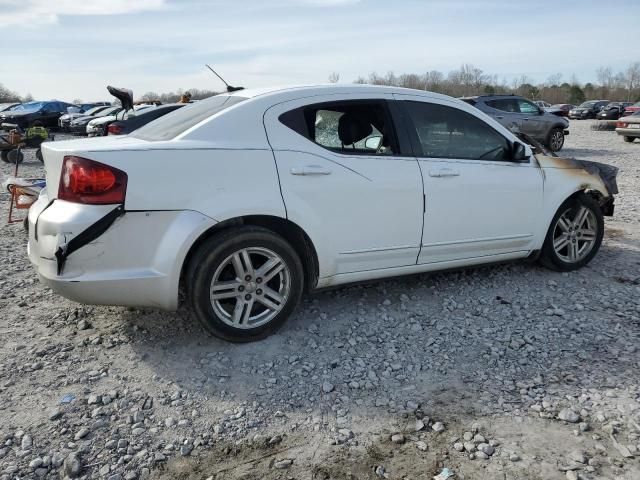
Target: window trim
[[417, 146], [402, 148]]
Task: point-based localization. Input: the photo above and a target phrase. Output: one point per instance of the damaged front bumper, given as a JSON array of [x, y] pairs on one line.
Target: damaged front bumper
[[104, 255]]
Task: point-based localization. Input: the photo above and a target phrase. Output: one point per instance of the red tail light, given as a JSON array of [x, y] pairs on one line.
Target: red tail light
[[90, 182], [621, 125], [114, 129]]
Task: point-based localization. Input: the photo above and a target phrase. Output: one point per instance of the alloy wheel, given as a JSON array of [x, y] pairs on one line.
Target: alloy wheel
[[250, 287], [574, 234], [557, 140]]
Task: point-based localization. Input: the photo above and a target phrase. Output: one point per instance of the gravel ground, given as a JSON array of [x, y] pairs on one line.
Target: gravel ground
[[509, 372]]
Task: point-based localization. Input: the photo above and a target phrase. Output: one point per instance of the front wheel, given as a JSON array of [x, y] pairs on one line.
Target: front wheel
[[243, 283], [574, 236], [628, 139], [555, 141]]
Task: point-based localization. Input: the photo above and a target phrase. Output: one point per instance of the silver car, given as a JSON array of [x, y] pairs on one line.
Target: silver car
[[521, 115]]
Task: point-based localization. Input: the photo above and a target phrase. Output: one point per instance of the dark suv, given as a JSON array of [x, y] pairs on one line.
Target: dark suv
[[521, 115], [25, 115]]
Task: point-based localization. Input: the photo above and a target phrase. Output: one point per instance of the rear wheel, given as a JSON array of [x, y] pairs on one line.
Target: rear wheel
[[244, 283], [4, 154], [575, 234], [39, 155], [555, 140], [628, 139]]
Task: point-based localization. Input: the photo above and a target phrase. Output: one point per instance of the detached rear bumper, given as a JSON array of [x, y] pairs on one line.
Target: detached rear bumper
[[137, 261]]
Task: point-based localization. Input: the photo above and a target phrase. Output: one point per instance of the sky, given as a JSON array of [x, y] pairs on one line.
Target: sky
[[73, 49]]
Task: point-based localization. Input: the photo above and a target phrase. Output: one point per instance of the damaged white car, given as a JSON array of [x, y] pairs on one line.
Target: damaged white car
[[246, 199]]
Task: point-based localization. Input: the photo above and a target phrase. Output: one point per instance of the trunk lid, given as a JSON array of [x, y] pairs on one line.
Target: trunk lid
[[53, 154]]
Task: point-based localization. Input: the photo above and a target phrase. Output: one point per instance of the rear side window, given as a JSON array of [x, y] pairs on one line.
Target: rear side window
[[446, 132], [505, 104], [173, 124], [351, 127]]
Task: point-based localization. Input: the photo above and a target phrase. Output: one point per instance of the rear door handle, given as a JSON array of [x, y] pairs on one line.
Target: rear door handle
[[310, 170], [444, 172]]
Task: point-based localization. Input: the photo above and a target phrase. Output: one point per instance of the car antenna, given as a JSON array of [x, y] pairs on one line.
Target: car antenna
[[229, 87]]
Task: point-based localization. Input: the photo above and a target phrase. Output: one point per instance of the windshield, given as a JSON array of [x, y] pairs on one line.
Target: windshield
[[94, 110], [108, 111], [173, 124], [29, 107]]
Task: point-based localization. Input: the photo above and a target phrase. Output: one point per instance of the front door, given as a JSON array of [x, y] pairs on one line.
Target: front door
[[346, 182], [479, 203]]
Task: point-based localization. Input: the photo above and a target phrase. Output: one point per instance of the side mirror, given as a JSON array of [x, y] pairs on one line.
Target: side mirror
[[519, 153], [373, 143]]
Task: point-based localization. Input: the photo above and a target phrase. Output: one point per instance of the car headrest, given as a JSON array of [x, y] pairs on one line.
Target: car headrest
[[352, 129]]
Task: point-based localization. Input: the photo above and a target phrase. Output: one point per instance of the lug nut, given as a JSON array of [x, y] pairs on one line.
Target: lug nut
[[247, 297], [241, 288], [259, 280], [259, 291], [248, 278]]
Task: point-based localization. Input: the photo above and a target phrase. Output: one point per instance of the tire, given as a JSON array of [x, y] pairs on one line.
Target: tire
[[555, 139], [557, 251], [25, 223], [39, 155], [15, 156], [628, 139], [239, 314], [4, 155]]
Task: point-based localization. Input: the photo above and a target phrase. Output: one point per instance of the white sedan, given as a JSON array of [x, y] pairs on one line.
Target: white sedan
[[246, 199]]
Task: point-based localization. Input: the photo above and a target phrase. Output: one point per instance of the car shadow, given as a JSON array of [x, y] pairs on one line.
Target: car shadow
[[427, 334]]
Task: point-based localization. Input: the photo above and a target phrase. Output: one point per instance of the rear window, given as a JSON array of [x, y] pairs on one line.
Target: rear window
[[173, 124]]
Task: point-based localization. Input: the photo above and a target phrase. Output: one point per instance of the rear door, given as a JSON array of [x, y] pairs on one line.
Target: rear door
[[478, 202], [347, 181]]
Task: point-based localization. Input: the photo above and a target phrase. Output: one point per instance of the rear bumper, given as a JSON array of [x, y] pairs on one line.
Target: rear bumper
[[136, 262]]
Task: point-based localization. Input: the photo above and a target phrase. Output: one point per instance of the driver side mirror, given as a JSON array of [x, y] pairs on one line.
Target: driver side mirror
[[520, 153], [373, 143]]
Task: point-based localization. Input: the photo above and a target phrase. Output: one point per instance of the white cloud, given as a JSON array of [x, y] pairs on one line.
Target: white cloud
[[37, 12]]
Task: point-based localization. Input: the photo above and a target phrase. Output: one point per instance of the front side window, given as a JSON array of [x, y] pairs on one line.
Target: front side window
[[446, 132], [351, 127]]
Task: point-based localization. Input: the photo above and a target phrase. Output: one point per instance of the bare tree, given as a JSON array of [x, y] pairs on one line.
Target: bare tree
[[334, 77], [605, 80], [632, 79]]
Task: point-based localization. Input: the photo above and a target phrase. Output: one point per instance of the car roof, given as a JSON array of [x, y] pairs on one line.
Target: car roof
[[332, 88]]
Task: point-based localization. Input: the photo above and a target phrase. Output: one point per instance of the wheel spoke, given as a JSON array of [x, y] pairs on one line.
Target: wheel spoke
[[560, 242], [238, 312], [270, 269], [271, 299], [573, 251], [563, 224], [587, 234], [248, 264], [247, 312], [221, 290], [580, 217]]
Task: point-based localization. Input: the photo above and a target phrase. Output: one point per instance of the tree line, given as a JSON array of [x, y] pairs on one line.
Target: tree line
[[466, 81], [469, 80]]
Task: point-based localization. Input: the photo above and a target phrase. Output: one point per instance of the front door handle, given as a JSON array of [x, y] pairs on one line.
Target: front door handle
[[499, 117], [444, 172], [310, 170]]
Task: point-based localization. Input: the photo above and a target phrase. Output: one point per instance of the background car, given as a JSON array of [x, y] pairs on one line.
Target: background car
[[587, 109], [64, 122], [631, 109], [520, 114], [125, 127], [560, 109], [98, 126], [542, 103], [79, 125], [629, 127], [7, 106], [26, 114], [612, 111]]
